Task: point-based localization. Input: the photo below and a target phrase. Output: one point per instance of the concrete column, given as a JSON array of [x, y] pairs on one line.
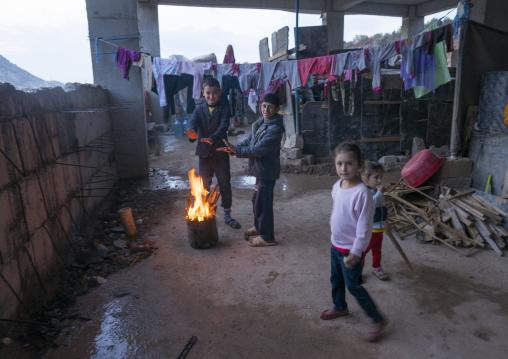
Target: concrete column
[[492, 13], [334, 22], [411, 25], [148, 13], [119, 18]]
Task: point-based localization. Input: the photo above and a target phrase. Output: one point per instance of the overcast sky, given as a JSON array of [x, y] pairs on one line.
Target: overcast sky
[[49, 38]]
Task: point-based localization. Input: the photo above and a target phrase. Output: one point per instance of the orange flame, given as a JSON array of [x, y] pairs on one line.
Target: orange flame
[[201, 210]]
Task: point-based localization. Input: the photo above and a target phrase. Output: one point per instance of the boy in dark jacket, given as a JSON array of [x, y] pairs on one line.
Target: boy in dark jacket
[[262, 148], [209, 125]]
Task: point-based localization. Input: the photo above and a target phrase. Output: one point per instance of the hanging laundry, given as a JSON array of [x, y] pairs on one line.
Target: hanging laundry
[[160, 68], [248, 74], [252, 101], [225, 70], [423, 67], [315, 65], [266, 74], [145, 62], [125, 58], [288, 70], [441, 72], [197, 69], [372, 58], [229, 58], [173, 84]]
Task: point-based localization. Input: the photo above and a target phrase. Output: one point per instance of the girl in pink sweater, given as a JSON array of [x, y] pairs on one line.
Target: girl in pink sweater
[[351, 227]]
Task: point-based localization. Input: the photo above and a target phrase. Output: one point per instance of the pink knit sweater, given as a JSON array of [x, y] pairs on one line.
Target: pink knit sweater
[[352, 216]]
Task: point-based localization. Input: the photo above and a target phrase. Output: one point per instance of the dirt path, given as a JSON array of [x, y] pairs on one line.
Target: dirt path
[[244, 302]]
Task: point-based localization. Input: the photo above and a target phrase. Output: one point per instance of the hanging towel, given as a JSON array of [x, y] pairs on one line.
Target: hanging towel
[[125, 58]]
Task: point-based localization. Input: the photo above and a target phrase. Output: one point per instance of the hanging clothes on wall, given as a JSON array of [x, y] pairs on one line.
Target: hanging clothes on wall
[[160, 68], [124, 60], [249, 76], [173, 84], [441, 73], [196, 69], [145, 62]]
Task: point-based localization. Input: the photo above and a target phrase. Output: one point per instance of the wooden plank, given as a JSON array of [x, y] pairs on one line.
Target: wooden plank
[[490, 205], [421, 212], [381, 102], [481, 209], [484, 232], [380, 139], [412, 190], [468, 209], [286, 52]]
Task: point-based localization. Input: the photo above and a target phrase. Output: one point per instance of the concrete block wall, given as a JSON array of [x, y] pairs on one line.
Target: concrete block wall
[[54, 145]]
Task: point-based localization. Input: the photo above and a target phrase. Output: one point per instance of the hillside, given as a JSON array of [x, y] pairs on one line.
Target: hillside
[[21, 79]]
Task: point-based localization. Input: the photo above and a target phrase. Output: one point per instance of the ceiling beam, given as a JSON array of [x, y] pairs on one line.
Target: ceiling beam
[[306, 6], [433, 6], [344, 5], [369, 8]]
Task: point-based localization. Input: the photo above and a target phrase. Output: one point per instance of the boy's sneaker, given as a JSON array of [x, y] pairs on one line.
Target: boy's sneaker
[[380, 273]]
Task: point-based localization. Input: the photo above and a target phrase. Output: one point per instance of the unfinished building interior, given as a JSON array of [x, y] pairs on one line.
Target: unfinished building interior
[[71, 158]]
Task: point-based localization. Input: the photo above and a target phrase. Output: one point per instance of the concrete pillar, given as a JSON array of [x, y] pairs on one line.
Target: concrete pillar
[[492, 13], [334, 22], [148, 13], [119, 18], [411, 25]]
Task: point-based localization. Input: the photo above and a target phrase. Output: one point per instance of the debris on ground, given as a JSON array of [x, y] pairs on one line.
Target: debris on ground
[[457, 218], [107, 251]]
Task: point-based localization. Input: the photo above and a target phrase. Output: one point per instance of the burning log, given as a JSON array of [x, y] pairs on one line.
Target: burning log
[[201, 223]]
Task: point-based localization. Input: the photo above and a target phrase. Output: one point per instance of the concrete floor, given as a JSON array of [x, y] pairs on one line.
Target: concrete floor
[[244, 302]]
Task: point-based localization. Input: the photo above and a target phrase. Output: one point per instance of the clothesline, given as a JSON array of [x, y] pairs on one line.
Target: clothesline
[[97, 39], [417, 54]]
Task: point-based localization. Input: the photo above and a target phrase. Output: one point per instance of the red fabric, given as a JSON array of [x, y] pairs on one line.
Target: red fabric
[[229, 58], [376, 241], [342, 250], [316, 65]]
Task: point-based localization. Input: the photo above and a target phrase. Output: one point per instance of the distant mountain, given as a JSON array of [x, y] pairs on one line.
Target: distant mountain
[[21, 79]]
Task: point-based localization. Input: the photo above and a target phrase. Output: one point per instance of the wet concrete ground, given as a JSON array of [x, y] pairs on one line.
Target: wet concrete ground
[[243, 302]]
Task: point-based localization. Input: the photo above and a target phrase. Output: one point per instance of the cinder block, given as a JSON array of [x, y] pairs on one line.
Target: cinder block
[[418, 145], [402, 159], [443, 150], [310, 159], [388, 159], [294, 141], [297, 162], [294, 153], [457, 183], [455, 168]]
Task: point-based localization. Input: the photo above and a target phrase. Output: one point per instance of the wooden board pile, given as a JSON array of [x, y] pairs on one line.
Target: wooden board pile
[[458, 219]]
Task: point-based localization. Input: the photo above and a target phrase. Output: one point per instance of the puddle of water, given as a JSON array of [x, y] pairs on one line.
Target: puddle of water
[[111, 341], [243, 182]]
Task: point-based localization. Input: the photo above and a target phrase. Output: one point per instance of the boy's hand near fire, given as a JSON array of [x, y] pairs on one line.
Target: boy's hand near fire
[[194, 136], [229, 148]]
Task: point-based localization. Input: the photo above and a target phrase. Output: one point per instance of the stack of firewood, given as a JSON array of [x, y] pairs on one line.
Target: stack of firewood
[[456, 219]]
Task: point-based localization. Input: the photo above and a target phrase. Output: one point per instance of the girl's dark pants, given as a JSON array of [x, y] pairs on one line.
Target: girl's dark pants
[[218, 164], [351, 278], [262, 206]]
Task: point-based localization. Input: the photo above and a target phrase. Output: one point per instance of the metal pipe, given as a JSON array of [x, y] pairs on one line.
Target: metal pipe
[[297, 97]]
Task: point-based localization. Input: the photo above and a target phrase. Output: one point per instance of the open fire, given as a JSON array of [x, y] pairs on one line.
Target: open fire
[[204, 205]]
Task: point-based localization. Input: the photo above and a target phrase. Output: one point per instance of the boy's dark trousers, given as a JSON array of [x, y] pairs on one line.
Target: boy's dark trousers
[[219, 165], [351, 278], [262, 206]]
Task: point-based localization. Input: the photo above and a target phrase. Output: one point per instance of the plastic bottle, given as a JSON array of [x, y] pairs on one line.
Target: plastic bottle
[[178, 127], [185, 123]]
